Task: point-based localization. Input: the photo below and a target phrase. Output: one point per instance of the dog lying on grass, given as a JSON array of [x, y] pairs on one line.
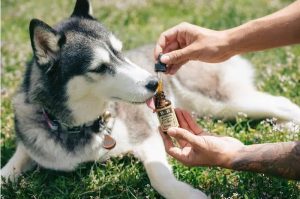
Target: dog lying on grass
[[79, 72]]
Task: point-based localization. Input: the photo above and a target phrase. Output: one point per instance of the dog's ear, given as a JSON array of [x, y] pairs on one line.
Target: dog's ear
[[83, 8], [45, 41]]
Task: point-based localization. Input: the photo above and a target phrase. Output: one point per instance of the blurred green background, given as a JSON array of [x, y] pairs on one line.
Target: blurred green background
[[138, 22]]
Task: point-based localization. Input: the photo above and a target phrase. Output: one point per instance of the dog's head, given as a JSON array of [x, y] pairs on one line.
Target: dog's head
[[82, 59]]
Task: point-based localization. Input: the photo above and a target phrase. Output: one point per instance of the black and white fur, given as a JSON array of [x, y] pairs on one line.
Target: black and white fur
[[78, 71]]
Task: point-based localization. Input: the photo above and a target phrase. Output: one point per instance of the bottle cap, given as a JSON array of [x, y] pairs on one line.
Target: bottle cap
[[159, 66]]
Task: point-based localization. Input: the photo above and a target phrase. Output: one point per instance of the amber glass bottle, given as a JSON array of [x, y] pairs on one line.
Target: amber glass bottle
[[165, 112]]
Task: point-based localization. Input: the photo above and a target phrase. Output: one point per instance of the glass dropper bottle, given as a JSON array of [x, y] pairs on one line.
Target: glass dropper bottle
[[165, 112]]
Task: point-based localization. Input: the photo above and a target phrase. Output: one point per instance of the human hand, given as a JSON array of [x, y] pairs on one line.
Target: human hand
[[185, 42], [197, 148]]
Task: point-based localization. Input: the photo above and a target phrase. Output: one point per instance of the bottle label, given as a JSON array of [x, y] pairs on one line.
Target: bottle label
[[167, 118]]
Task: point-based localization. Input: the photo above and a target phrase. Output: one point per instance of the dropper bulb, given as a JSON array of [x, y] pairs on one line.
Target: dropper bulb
[[159, 66]]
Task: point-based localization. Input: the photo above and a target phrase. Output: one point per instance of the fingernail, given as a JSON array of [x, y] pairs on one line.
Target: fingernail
[[165, 59]]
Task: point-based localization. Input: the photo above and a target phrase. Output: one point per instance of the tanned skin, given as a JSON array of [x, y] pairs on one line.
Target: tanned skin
[[198, 148], [278, 29], [185, 41], [280, 159]]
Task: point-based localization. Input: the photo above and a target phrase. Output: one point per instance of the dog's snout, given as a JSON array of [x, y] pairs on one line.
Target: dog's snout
[[152, 85]]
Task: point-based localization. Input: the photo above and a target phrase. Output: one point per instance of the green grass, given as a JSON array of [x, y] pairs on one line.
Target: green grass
[[278, 72]]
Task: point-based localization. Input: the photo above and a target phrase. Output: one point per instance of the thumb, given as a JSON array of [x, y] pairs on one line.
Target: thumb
[[182, 134], [176, 56]]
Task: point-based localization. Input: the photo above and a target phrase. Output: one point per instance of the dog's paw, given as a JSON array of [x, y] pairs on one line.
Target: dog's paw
[[3, 177], [189, 192], [197, 194], [288, 108], [178, 190], [6, 176]]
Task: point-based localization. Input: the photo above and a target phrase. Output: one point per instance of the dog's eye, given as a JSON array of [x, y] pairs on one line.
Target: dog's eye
[[103, 69]]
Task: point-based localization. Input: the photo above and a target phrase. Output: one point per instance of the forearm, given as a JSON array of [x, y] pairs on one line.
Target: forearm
[[280, 159], [275, 30]]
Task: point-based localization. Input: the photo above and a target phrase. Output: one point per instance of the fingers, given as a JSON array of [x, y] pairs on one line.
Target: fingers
[[170, 40], [166, 139], [182, 134], [192, 124], [164, 38], [177, 56], [172, 69], [177, 153], [187, 122], [181, 119], [172, 46]]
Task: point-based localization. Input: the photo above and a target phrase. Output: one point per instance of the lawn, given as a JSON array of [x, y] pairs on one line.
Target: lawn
[[136, 23]]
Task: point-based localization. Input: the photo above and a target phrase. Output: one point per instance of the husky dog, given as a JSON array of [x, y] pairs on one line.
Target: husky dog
[[78, 72]]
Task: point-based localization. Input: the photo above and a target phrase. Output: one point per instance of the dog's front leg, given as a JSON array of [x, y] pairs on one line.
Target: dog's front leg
[[19, 162], [153, 155]]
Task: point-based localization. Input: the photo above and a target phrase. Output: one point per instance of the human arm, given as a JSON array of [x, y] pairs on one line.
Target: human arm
[[280, 159], [278, 29], [197, 148], [186, 42]]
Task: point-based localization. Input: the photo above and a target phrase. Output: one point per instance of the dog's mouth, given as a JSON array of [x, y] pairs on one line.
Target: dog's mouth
[[149, 102]]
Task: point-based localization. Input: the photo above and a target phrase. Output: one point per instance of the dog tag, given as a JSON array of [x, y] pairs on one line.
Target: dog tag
[[109, 142]]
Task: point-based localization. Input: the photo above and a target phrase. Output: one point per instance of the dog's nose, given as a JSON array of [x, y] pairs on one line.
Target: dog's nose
[[152, 85]]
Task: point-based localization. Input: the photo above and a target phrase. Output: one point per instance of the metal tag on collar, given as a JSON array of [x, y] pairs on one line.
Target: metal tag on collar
[[108, 142], [104, 123]]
